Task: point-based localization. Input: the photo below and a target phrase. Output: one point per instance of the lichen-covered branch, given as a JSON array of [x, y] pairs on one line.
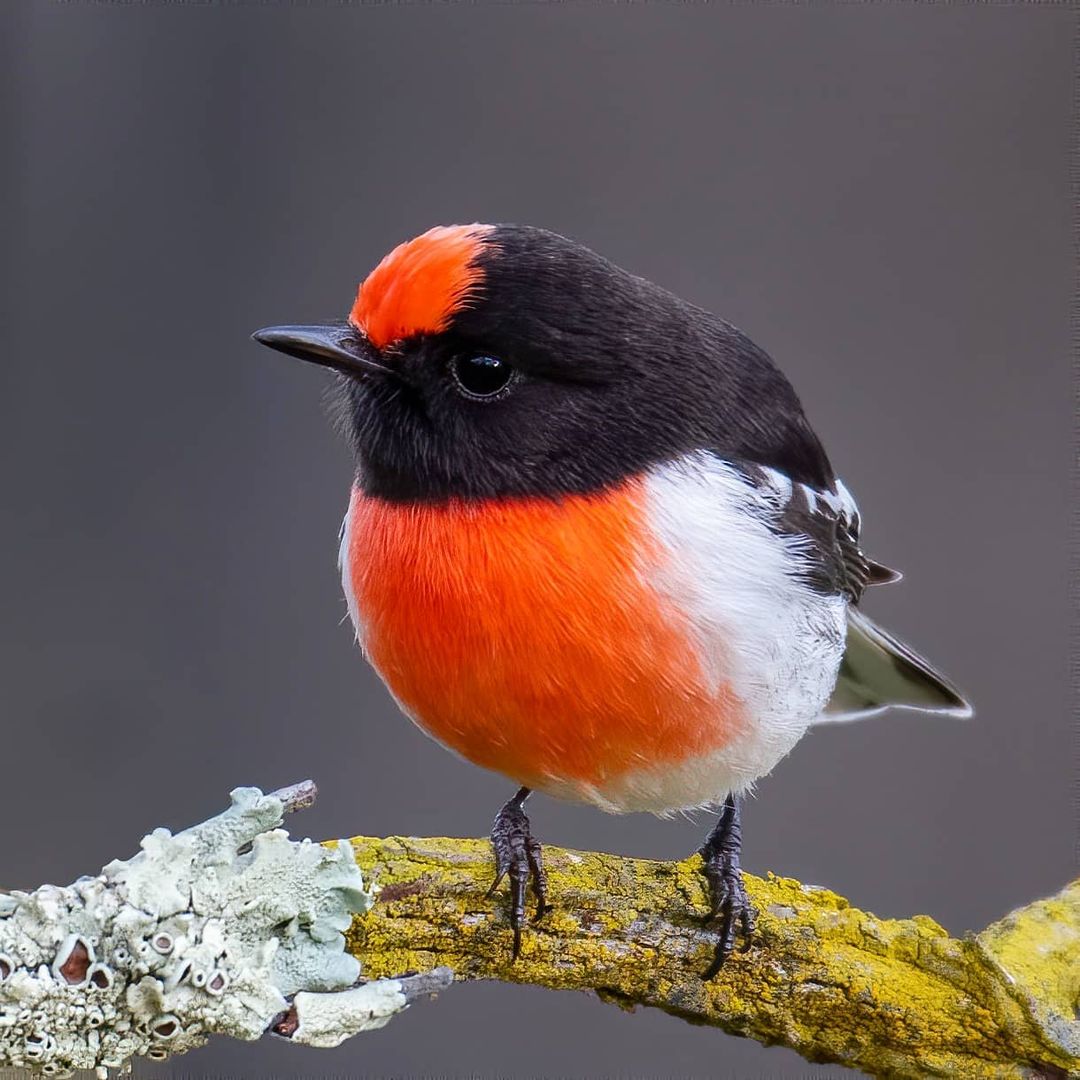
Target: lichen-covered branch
[[228, 927], [232, 928], [892, 997]]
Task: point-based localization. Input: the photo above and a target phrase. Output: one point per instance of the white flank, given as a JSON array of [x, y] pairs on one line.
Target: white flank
[[758, 625]]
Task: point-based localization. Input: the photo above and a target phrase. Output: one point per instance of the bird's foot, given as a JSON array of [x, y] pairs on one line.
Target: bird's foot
[[520, 856], [729, 903]]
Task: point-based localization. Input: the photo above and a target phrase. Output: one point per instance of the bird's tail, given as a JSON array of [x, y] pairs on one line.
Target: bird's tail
[[878, 671]]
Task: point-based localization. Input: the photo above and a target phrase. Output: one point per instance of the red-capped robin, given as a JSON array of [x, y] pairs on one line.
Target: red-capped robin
[[593, 542]]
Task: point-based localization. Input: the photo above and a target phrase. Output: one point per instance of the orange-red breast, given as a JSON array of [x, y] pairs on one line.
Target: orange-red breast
[[593, 542]]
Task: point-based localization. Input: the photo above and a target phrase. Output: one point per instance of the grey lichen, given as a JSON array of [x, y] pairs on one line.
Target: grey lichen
[[329, 1019], [212, 931]]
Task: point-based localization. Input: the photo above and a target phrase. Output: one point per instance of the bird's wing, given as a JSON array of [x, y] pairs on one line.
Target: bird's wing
[[878, 670], [826, 523]]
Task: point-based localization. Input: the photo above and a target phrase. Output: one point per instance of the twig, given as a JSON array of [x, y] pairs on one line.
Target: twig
[[295, 797]]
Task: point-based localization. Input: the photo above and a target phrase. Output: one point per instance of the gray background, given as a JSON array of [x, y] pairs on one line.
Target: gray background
[[877, 193]]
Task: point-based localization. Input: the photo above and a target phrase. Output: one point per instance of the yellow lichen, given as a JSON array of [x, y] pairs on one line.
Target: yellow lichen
[[893, 997]]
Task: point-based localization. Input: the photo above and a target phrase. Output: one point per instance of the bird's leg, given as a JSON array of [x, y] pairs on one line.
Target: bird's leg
[[520, 856], [727, 894]]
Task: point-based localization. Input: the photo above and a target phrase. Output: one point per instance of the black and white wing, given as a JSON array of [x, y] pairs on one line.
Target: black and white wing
[[826, 523], [878, 670]]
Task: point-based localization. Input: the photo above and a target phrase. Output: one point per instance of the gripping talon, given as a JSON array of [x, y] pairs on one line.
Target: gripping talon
[[728, 901], [520, 856]]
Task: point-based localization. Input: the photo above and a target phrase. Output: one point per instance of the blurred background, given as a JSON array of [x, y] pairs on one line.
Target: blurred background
[[877, 193]]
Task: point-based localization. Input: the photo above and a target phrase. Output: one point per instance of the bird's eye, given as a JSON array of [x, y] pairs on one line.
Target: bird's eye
[[480, 376]]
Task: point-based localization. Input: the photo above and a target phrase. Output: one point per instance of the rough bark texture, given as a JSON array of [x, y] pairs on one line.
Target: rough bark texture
[[892, 997]]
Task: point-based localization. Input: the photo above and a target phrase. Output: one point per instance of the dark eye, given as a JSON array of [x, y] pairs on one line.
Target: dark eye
[[481, 376]]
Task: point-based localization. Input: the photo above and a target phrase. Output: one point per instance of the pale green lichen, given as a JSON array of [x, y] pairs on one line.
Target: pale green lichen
[[327, 1020], [205, 932]]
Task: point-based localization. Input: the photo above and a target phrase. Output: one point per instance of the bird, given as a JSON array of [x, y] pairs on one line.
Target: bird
[[593, 543]]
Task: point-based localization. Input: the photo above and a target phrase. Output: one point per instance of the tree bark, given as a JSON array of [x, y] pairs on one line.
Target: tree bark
[[892, 997]]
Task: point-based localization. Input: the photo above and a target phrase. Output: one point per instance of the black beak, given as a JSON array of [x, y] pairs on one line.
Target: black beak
[[337, 346]]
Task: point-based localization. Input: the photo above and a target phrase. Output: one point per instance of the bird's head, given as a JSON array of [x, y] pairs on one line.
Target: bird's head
[[482, 361]]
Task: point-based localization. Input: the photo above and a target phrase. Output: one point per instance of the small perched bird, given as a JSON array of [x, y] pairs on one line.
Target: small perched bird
[[593, 543]]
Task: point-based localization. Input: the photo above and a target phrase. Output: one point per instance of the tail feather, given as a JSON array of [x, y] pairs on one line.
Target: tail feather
[[880, 574], [879, 671]]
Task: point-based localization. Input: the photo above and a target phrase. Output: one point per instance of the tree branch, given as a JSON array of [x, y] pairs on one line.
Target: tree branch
[[230, 927], [892, 997]]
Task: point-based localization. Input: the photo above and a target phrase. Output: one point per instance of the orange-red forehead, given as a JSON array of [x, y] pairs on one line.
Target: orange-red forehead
[[419, 286]]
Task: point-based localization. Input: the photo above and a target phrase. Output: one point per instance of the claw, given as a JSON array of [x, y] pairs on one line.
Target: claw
[[520, 856], [727, 893]]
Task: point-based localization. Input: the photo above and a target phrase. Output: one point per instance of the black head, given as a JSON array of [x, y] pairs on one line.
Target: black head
[[484, 361]]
